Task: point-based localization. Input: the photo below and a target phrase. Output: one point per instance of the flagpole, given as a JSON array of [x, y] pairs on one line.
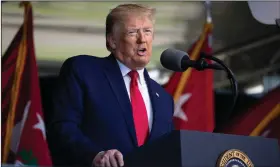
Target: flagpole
[[20, 62]]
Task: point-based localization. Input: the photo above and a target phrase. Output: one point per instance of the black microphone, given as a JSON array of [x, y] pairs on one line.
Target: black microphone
[[177, 60]]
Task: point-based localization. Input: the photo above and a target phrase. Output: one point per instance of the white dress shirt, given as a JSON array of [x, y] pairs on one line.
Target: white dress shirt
[[142, 87]]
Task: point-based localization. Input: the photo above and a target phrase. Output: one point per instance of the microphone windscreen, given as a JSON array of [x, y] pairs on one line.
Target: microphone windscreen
[[172, 59]]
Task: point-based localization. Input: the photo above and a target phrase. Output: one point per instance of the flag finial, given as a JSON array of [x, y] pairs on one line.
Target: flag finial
[[208, 11]]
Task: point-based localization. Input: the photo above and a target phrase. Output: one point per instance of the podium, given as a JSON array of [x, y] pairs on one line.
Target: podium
[[192, 148]]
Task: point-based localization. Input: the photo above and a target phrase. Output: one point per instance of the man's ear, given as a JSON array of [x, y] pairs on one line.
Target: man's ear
[[111, 41]]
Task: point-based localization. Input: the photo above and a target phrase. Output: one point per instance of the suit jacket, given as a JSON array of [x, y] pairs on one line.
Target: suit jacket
[[92, 111]]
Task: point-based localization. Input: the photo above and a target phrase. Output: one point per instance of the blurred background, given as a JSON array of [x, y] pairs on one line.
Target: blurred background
[[246, 37], [64, 29]]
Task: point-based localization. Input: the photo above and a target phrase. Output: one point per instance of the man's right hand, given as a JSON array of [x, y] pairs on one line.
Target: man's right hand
[[109, 158]]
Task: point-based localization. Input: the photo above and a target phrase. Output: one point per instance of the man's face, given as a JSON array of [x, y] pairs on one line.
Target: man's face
[[133, 41]]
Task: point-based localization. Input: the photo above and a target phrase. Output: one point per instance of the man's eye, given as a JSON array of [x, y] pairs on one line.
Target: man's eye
[[131, 32], [148, 32]]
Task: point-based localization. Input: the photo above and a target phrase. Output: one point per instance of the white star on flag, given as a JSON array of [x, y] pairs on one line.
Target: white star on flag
[[40, 125], [179, 113]]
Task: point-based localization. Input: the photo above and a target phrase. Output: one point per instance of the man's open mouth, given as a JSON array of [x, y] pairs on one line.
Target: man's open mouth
[[141, 51]]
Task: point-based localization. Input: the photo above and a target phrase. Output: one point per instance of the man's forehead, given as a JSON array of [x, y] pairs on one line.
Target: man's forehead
[[134, 23]]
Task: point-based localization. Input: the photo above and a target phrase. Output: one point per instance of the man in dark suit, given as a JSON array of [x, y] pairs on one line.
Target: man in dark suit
[[106, 107]]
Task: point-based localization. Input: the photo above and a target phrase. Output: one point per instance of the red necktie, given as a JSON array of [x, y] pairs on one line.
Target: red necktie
[[138, 109]]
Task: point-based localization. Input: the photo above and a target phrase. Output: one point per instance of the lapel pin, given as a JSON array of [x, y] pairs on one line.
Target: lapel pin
[[157, 94]]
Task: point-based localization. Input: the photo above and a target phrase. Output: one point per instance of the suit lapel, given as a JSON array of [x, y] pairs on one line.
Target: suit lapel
[[155, 106], [117, 84], [114, 77]]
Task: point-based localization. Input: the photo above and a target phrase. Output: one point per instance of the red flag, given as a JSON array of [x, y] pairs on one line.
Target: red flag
[[192, 91], [263, 119], [23, 130]]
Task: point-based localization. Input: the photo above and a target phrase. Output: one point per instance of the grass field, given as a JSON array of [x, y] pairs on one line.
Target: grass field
[[87, 11]]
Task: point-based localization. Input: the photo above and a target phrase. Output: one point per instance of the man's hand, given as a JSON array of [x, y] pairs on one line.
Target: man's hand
[[109, 158]]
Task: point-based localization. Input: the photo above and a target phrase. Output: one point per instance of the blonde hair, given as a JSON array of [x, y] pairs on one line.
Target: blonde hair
[[118, 14]]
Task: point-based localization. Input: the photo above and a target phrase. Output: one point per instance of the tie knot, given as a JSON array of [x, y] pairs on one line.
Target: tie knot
[[133, 75]]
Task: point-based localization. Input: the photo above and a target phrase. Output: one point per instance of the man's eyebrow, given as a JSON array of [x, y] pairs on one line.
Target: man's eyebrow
[[148, 28], [135, 28]]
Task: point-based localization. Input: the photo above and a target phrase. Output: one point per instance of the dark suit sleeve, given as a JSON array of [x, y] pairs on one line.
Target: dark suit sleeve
[[173, 107], [68, 110]]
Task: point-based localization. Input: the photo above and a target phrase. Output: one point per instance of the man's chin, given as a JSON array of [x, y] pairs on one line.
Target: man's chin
[[141, 65]]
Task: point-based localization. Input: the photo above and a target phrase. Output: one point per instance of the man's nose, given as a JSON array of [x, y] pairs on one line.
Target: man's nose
[[141, 37]]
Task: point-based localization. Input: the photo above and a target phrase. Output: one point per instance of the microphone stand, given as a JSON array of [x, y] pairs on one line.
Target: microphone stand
[[202, 64]]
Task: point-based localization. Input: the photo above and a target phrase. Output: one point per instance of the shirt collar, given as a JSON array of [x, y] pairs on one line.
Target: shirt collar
[[125, 70]]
